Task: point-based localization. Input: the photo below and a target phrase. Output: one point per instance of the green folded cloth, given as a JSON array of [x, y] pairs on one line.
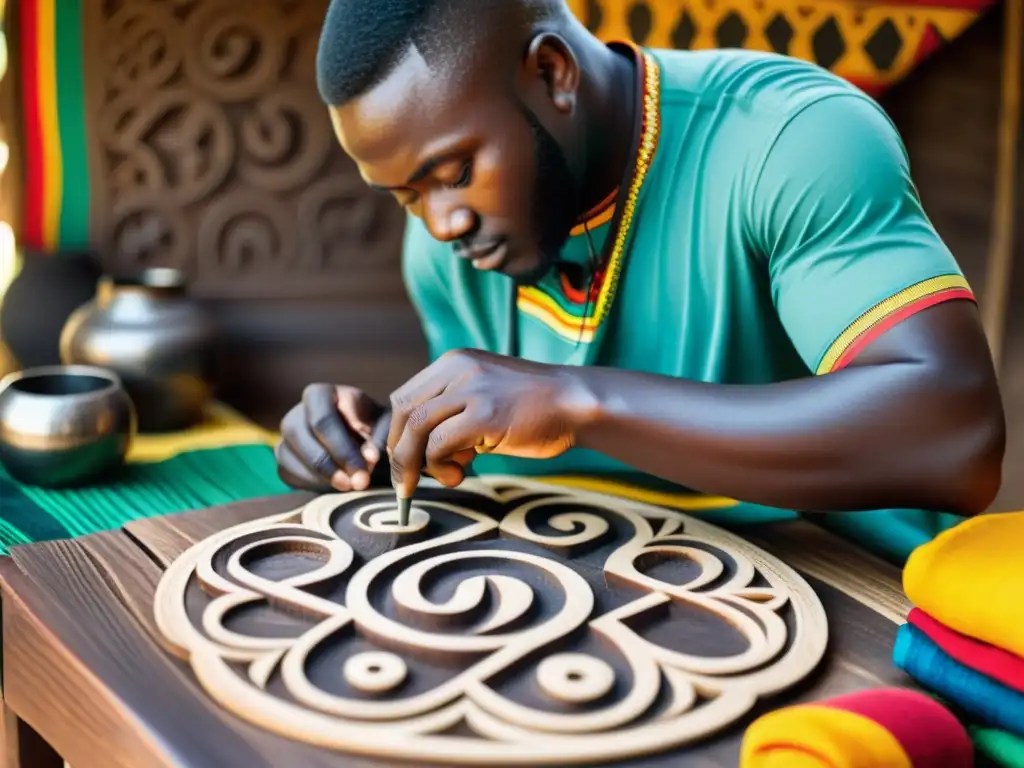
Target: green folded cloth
[[1001, 747], [190, 480]]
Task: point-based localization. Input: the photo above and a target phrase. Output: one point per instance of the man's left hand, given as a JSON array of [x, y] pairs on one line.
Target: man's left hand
[[470, 402]]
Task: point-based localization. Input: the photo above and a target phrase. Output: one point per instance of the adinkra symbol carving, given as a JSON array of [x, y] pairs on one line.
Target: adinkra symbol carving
[[216, 155], [510, 621]]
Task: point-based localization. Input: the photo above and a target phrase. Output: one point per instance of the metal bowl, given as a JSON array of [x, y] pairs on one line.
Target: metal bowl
[[64, 425]]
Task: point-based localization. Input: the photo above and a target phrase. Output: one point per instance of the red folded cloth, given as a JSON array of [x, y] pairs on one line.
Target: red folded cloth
[[1001, 665], [881, 728]]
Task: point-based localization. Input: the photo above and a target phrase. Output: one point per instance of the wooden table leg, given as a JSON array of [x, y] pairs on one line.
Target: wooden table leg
[[23, 747], [20, 745]]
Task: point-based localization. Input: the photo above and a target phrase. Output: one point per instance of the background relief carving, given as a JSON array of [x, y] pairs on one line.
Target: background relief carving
[[214, 153]]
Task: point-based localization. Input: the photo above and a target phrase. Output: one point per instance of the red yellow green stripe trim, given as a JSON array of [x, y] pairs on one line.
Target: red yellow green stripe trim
[[56, 205], [46, 50], [889, 312], [53, 167], [539, 305], [600, 214], [534, 302], [648, 146]]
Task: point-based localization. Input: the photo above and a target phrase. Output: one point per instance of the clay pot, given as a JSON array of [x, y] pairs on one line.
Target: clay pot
[[37, 304], [158, 340]]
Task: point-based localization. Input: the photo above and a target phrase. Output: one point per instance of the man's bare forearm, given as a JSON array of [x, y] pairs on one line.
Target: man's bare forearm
[[906, 433]]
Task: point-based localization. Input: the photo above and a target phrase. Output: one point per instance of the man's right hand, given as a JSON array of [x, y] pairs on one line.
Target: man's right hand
[[332, 439]]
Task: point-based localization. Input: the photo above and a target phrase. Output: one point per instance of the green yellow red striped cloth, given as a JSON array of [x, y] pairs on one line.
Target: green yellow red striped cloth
[[190, 480], [224, 459], [56, 189]]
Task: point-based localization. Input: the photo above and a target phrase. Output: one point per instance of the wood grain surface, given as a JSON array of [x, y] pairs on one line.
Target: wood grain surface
[[85, 667]]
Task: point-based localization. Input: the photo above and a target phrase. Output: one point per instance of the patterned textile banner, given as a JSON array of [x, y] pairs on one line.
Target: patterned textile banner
[[872, 44], [56, 203]]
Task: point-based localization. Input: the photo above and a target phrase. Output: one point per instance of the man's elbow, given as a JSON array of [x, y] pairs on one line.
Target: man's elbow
[[974, 481]]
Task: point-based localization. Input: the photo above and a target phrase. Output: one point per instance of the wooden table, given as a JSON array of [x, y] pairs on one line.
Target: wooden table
[[85, 676]]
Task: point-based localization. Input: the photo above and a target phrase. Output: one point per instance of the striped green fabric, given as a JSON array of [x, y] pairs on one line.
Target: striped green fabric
[[190, 480], [75, 193], [1005, 749]]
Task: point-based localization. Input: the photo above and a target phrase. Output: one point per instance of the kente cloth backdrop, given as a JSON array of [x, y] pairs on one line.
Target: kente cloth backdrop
[[873, 44]]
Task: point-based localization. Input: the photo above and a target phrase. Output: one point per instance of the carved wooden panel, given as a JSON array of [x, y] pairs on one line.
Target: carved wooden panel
[[213, 152], [510, 622]]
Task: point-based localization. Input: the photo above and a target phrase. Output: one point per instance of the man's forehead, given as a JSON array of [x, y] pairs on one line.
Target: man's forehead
[[405, 106]]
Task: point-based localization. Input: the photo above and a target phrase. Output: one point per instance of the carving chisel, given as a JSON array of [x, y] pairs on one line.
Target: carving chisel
[[380, 439], [404, 508]]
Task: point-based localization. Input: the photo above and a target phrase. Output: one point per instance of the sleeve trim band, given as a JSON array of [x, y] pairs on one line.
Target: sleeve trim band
[[889, 312]]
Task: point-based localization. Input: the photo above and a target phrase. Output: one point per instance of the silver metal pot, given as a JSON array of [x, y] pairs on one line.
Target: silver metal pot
[[157, 339], [64, 425]]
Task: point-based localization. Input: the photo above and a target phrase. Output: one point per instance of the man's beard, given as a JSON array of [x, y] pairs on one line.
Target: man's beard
[[556, 199]]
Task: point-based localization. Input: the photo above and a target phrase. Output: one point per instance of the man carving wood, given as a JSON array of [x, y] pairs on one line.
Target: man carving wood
[[710, 268]]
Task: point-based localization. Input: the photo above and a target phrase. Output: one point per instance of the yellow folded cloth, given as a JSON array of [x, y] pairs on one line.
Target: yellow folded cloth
[[813, 736], [877, 728], [971, 578]]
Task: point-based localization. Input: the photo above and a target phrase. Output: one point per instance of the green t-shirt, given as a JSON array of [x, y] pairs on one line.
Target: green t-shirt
[[768, 230]]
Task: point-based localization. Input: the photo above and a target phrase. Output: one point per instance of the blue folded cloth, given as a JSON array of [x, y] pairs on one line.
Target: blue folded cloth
[[975, 693]]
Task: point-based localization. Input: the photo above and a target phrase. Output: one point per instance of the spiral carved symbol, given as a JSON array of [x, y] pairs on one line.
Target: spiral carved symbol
[[144, 50], [236, 54], [556, 626], [215, 154]]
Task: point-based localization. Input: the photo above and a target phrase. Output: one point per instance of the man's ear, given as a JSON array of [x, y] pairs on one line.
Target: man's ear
[[550, 60]]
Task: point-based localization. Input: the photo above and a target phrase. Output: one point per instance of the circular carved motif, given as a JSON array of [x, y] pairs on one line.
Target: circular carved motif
[[236, 52], [245, 230], [575, 677], [284, 140], [509, 622], [144, 51], [343, 214], [169, 142], [146, 233], [375, 671], [383, 517]]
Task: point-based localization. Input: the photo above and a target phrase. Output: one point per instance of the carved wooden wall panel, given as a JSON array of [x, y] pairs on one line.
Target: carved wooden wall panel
[[213, 152]]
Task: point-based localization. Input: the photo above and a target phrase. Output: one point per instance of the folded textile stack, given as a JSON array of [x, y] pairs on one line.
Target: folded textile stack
[[999, 746], [887, 727], [964, 639]]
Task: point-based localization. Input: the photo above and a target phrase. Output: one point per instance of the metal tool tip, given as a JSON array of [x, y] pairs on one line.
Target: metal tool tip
[[404, 508]]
